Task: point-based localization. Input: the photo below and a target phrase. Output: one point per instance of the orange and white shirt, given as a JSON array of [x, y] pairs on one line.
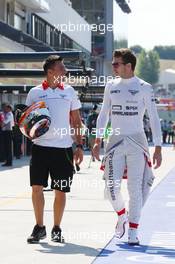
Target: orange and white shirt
[[59, 103]]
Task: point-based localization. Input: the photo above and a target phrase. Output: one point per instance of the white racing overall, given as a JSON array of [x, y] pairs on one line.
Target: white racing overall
[[131, 153], [126, 101]]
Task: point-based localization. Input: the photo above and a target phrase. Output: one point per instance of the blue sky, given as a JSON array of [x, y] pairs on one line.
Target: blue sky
[[150, 23]]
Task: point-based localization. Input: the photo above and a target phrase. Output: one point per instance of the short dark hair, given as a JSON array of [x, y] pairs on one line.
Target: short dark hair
[[50, 61], [94, 107], [8, 105], [127, 56]]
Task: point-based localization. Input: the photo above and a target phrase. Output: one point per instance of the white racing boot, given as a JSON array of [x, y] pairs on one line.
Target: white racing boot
[[132, 237], [121, 225]]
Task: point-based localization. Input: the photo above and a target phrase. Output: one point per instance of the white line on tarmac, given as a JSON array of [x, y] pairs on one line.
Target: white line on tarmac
[[170, 204], [164, 244], [16, 199]]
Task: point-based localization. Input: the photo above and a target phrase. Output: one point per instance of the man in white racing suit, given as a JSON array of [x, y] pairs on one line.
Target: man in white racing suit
[[126, 98]]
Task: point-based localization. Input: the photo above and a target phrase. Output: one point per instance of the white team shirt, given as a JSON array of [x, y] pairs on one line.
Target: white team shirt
[[126, 101], [8, 122], [60, 103]]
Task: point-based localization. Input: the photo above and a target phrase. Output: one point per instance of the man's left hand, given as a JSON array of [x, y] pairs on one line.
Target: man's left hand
[[157, 157], [78, 155]]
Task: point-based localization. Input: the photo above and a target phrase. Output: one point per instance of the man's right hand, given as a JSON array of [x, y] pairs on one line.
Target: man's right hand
[[96, 149]]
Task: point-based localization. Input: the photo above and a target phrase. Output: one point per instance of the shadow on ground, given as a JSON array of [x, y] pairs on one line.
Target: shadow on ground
[[68, 248]]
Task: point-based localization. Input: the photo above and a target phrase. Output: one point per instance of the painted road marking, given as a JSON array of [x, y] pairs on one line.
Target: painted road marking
[[170, 204], [158, 248], [163, 252], [16, 199], [150, 259], [166, 239], [171, 196]]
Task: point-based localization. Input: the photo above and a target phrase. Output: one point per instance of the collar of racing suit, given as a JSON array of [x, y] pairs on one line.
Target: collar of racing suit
[[130, 80]]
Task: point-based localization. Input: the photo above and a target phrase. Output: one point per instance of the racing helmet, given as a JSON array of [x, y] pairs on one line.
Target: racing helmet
[[34, 121]]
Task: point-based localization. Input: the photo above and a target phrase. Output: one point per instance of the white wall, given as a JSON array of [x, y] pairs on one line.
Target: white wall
[[7, 45], [167, 77], [39, 5], [62, 13]]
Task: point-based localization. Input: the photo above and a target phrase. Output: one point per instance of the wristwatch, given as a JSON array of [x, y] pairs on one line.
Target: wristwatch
[[79, 146]]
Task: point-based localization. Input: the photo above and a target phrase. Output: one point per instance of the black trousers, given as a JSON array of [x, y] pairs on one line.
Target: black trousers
[[17, 142], [165, 133], [1, 147], [7, 140]]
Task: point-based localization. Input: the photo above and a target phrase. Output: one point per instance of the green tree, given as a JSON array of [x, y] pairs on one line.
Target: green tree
[[142, 69], [154, 66], [148, 66]]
